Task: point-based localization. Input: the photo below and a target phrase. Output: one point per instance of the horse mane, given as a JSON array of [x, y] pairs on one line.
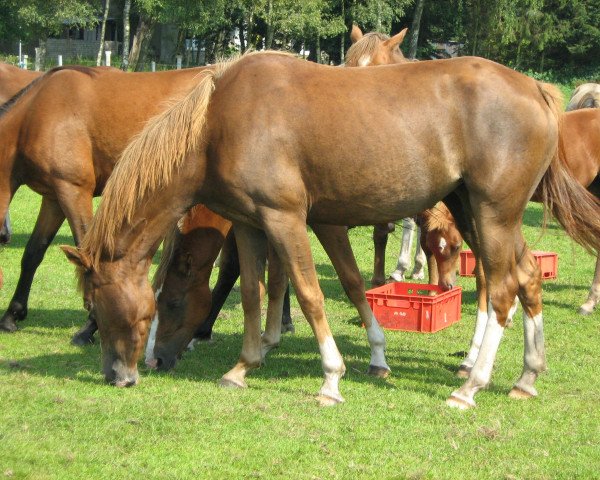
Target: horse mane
[[6, 106], [439, 218], [151, 158], [364, 47]]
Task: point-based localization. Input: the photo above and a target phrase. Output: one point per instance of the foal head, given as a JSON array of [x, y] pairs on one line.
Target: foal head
[[444, 241], [120, 291], [374, 49]]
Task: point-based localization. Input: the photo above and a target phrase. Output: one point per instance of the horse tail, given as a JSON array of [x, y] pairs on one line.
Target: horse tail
[[574, 207], [148, 163]]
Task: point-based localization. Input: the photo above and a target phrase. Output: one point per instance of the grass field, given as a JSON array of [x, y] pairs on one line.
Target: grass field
[[60, 421]]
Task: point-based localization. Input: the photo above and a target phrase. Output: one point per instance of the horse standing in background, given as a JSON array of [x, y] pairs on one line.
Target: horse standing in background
[[321, 150], [586, 95], [62, 136]]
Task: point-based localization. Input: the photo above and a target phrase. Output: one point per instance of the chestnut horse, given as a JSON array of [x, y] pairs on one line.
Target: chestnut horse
[[586, 95], [186, 309], [62, 136], [13, 79], [444, 129], [182, 278]]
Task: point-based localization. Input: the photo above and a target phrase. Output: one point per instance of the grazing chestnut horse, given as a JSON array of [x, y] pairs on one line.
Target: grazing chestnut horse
[[62, 136], [586, 95], [445, 129], [186, 309]]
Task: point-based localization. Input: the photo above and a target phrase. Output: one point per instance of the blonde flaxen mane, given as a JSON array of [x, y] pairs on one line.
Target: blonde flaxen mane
[[150, 160]]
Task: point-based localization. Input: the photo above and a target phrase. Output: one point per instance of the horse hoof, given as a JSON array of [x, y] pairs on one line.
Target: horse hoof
[[461, 403], [8, 325], [82, 340], [463, 372], [380, 372], [327, 401], [518, 394], [585, 311], [288, 328], [231, 383]]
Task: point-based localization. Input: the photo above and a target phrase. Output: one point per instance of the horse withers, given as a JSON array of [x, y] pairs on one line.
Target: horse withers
[[446, 129]]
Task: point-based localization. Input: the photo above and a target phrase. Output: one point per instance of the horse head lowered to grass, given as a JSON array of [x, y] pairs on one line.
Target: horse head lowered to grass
[[343, 147]]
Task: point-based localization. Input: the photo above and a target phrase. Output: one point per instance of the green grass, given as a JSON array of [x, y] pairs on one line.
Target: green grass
[[60, 421]]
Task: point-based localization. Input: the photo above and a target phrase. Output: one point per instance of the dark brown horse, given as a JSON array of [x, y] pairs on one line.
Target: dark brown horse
[[342, 146], [62, 136]]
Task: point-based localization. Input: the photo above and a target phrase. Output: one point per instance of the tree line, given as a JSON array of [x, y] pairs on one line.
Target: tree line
[[525, 34]]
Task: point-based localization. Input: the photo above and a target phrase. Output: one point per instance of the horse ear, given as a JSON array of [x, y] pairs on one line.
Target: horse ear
[[356, 33], [77, 257], [396, 39]]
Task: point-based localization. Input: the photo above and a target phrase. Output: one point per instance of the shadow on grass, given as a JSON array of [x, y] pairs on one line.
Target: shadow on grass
[[19, 240]]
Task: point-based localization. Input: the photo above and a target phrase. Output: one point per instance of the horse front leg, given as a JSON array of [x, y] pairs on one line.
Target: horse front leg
[[293, 247], [337, 246], [594, 295], [49, 220], [420, 258], [252, 247]]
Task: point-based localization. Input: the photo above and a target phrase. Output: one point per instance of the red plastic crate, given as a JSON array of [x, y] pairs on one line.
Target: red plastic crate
[[412, 307], [548, 262]]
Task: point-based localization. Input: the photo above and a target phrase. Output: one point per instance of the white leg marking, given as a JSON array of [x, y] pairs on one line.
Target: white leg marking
[[408, 225], [420, 258], [480, 324], [534, 357], [149, 357], [333, 368], [377, 342], [482, 369]]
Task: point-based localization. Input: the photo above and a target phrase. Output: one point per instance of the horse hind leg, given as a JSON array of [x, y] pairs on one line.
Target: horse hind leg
[[408, 227], [497, 250], [594, 296], [534, 357], [49, 220]]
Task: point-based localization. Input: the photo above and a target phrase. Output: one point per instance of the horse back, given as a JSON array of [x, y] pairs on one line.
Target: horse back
[[326, 135]]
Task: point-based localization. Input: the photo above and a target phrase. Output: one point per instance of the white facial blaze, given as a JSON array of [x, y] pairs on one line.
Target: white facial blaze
[[443, 244], [364, 61], [149, 357]]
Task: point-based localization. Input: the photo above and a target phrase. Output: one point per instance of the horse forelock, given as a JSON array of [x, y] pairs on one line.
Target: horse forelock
[[360, 52], [438, 218]]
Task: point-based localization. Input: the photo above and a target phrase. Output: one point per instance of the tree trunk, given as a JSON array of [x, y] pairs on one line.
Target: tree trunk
[[125, 61], [343, 37], [414, 33], [102, 33], [242, 38], [269, 39], [141, 39]]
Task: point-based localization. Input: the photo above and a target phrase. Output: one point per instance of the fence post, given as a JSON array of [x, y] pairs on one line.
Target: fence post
[[37, 59], [153, 66], [179, 58], [107, 55], [25, 58], [59, 60]]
